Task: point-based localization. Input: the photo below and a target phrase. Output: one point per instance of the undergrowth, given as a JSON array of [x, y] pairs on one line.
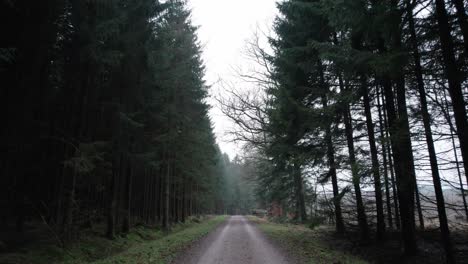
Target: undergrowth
[[304, 243], [141, 245]]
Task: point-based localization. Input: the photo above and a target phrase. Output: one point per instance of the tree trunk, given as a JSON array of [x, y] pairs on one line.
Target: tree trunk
[[454, 78], [375, 163], [112, 211], [156, 203], [403, 171], [384, 159], [418, 205], [362, 218], [340, 227], [299, 192], [127, 199], [429, 140], [391, 165], [405, 162], [339, 223], [161, 195], [166, 203], [356, 43], [462, 189], [68, 221], [454, 146], [184, 201]]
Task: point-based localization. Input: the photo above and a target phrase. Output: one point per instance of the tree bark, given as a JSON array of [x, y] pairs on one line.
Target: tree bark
[[299, 192]]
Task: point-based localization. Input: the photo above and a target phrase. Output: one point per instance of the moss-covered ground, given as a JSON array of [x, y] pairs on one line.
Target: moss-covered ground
[[305, 244]]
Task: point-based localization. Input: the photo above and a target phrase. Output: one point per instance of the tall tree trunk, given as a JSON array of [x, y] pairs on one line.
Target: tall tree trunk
[[299, 182], [399, 139], [391, 164], [457, 163], [167, 185], [112, 210], [356, 178], [189, 201], [384, 159], [375, 163], [356, 43], [340, 227], [402, 144], [339, 223], [403, 171], [454, 78], [418, 204], [127, 199], [429, 140], [184, 200], [462, 189], [156, 203], [68, 231]]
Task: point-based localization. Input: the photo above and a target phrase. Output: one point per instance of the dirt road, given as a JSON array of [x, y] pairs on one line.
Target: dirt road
[[235, 242]]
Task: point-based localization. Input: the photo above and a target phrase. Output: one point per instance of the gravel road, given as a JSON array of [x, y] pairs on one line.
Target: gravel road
[[235, 242]]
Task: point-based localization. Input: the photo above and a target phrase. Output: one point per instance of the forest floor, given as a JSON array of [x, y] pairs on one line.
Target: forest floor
[[323, 245], [141, 245], [309, 246]]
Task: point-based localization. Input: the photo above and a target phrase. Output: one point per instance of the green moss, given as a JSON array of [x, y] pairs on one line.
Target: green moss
[[163, 250], [142, 245], [306, 244]]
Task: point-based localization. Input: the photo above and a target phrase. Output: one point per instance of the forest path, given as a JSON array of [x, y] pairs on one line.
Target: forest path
[[237, 241]]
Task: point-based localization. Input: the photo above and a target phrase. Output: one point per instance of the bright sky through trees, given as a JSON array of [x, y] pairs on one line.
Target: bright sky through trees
[[225, 25]]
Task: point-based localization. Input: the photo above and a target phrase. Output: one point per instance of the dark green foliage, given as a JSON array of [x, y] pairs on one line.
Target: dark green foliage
[[315, 221], [106, 120]]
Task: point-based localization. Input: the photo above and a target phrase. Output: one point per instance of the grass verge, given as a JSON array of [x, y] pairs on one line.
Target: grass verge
[[142, 245], [309, 246]]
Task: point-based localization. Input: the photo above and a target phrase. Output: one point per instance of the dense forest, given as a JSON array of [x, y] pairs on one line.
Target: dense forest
[[106, 120], [358, 115], [355, 116]]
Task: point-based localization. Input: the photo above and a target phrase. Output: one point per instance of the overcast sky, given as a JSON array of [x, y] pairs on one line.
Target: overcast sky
[[225, 25]]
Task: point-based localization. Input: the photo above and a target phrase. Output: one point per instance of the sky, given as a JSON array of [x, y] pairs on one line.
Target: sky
[[224, 28]]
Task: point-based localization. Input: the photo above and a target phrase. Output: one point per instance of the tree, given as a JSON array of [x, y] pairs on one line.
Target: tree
[[454, 78], [114, 124]]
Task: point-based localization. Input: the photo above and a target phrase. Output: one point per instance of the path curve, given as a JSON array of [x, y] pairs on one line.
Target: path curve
[[237, 241]]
